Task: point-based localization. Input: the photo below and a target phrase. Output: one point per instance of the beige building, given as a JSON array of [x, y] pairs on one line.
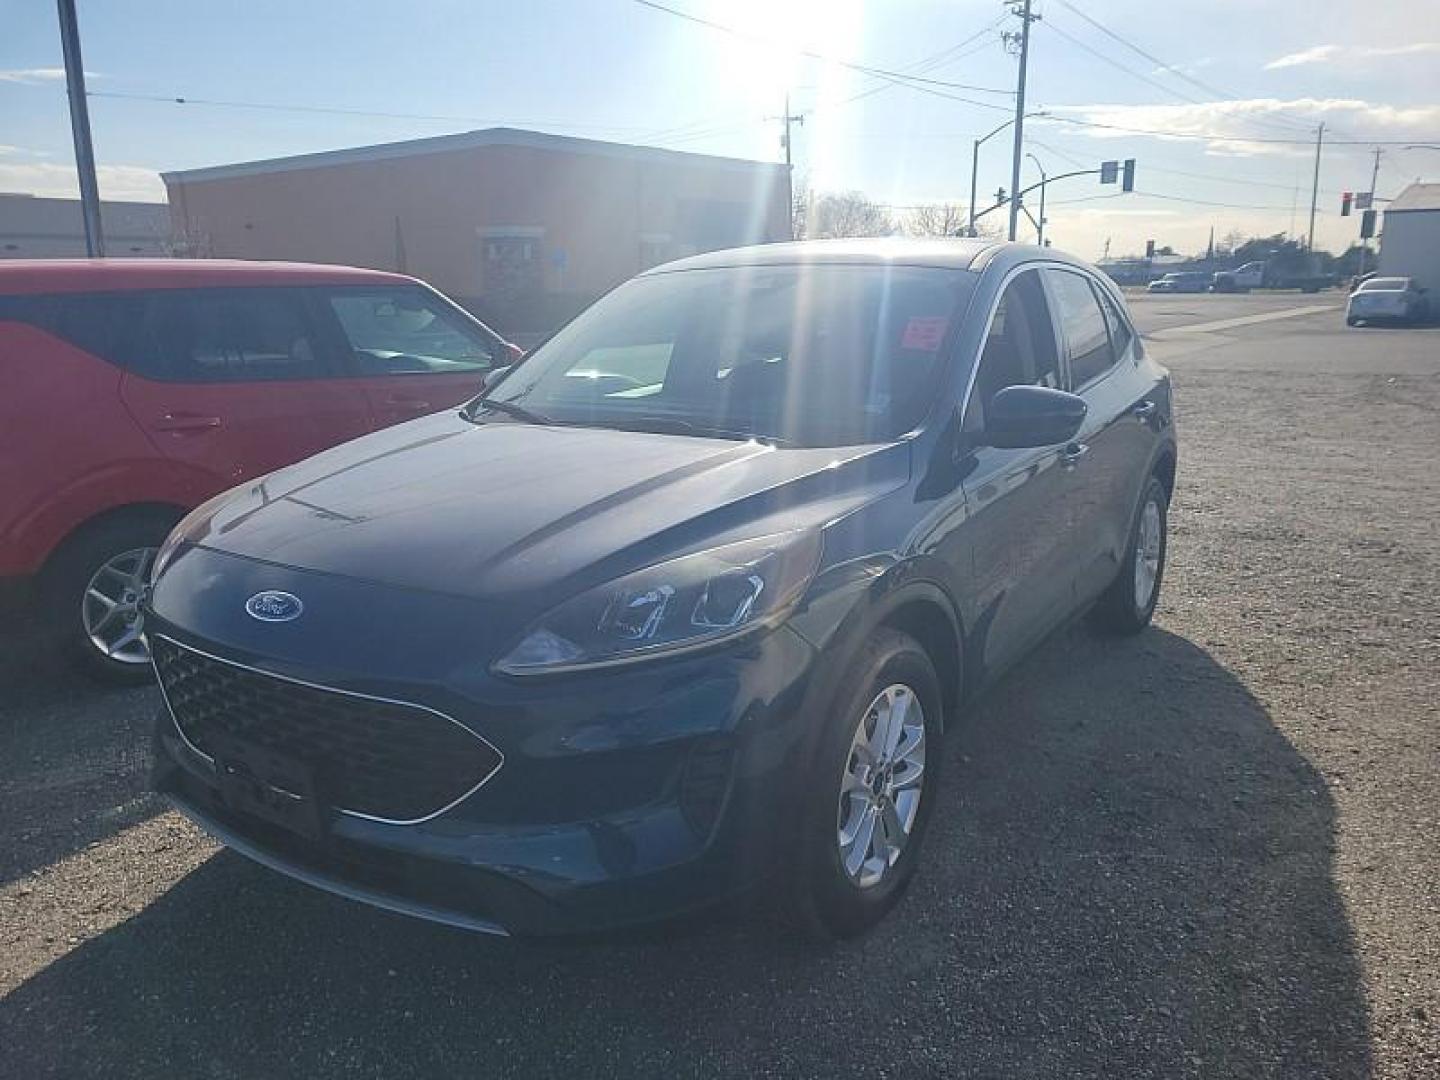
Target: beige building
[[32, 227], [1410, 242], [523, 227]]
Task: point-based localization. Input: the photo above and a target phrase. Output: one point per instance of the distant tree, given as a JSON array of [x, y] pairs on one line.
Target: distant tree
[[799, 207], [1227, 244], [1166, 250], [848, 213], [937, 219]]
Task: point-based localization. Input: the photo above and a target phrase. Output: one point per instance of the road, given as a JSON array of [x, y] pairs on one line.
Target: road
[[1207, 851]]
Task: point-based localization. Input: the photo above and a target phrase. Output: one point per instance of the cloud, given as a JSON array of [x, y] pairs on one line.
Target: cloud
[[1316, 55], [124, 182], [1242, 127], [1321, 54]]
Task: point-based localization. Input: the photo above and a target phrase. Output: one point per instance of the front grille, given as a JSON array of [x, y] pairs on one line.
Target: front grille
[[379, 759]]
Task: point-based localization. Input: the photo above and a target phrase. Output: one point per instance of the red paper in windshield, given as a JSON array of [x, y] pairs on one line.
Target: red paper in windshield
[[924, 333]]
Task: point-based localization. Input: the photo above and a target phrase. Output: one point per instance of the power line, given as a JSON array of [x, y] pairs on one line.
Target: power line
[[1205, 136], [1133, 47], [912, 82]]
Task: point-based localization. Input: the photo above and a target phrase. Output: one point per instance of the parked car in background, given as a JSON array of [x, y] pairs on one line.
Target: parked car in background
[[135, 389], [684, 604], [1181, 281], [1386, 299]]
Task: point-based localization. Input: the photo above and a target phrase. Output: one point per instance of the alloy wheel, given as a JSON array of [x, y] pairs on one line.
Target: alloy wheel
[[882, 785], [110, 607], [1147, 554]]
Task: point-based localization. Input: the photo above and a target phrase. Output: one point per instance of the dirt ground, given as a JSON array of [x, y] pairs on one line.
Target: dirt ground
[[1212, 850]]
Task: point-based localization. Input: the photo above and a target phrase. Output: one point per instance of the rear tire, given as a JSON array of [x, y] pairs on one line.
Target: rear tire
[[101, 572], [1127, 606], [839, 891]]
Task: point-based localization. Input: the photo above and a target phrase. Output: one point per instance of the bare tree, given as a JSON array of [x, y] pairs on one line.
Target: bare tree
[[937, 219], [800, 198], [848, 213]]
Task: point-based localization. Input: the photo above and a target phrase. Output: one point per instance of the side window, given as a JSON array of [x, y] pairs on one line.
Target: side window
[[112, 326], [1019, 347], [403, 331], [1087, 339], [1120, 333], [236, 335]]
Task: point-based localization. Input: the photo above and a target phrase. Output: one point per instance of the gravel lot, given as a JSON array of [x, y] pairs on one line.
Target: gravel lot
[[1208, 851]]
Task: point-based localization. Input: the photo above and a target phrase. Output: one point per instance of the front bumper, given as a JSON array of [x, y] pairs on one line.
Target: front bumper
[[624, 797]]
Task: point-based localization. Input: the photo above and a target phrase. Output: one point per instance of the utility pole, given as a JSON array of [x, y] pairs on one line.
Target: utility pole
[[1020, 8], [80, 128], [1315, 185], [787, 118]]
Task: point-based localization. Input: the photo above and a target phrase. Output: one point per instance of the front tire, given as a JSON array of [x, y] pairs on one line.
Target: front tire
[[1127, 606], [91, 595], [871, 790]]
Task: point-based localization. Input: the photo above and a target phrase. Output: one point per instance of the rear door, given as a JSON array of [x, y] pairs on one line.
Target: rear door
[[238, 382], [1101, 352], [406, 348]]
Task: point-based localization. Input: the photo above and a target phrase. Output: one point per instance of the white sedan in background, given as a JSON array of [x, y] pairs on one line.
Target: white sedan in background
[[1386, 299]]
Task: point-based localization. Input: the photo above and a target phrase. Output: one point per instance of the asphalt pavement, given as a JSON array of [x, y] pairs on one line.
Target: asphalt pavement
[[1207, 851]]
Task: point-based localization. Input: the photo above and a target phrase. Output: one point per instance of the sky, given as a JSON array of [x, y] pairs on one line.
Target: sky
[[1221, 99]]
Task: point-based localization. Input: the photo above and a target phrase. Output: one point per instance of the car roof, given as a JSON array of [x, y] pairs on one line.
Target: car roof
[[952, 254], [28, 276], [1376, 284]]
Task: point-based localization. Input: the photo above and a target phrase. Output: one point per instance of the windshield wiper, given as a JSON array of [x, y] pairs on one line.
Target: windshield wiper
[[509, 408]]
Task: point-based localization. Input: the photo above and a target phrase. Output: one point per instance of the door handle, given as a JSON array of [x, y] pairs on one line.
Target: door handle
[[1144, 411], [181, 422], [1071, 455]]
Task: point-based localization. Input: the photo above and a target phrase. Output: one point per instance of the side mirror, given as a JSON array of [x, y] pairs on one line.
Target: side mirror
[[493, 376], [1023, 416], [512, 354]]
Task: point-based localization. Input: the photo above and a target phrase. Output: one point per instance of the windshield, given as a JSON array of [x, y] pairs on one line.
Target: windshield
[[1385, 284], [809, 355]]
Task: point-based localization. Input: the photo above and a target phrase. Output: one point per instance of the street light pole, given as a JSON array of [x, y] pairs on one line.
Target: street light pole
[[975, 160], [1040, 225], [80, 128]]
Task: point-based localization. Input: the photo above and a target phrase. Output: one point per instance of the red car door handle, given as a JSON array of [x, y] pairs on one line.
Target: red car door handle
[[1143, 411], [186, 422]]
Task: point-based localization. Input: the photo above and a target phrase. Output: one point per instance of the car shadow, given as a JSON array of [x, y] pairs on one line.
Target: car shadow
[[1129, 875], [74, 755]]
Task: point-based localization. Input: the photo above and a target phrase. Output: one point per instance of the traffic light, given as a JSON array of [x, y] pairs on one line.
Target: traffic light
[[1346, 198], [1367, 224], [1127, 182], [1108, 171], [1149, 249]]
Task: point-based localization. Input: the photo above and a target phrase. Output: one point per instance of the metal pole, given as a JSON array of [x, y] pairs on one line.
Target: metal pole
[[1019, 145], [1040, 225], [1315, 185], [80, 129], [974, 175], [1374, 179]]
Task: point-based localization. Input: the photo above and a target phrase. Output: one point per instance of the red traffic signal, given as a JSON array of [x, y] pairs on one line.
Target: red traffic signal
[[1346, 199]]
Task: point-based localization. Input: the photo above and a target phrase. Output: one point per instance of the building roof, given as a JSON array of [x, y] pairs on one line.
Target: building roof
[[469, 140], [29, 276], [1416, 197]]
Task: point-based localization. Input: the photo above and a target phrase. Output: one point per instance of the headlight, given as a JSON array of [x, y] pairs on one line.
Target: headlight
[[682, 604]]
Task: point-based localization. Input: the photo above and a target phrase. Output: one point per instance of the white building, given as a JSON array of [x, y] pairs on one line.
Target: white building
[[1410, 242], [37, 228]]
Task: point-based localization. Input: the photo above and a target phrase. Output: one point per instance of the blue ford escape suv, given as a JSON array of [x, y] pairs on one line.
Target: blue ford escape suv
[[683, 603]]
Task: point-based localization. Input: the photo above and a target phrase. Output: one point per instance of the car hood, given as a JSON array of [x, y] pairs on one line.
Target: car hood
[[497, 509]]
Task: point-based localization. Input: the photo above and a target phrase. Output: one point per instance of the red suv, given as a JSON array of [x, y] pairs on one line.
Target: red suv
[[132, 390]]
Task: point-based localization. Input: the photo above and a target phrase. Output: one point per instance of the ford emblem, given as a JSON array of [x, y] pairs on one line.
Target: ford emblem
[[274, 606]]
